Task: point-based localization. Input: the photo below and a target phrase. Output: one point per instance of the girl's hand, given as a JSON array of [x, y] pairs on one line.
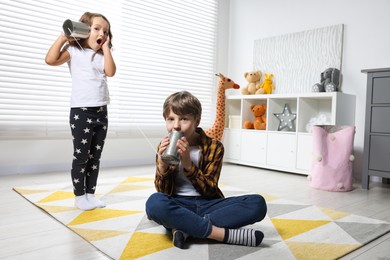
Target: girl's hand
[[68, 38], [106, 45]]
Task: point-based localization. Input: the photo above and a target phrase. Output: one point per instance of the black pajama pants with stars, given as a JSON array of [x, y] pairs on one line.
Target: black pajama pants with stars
[[89, 131]]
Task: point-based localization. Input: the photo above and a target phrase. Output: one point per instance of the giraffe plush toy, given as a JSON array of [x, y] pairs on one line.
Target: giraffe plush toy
[[216, 130]]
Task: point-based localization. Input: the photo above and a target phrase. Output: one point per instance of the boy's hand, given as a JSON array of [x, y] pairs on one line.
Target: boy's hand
[[183, 148], [162, 166]]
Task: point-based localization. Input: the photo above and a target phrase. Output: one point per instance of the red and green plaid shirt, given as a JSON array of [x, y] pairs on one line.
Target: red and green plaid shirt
[[205, 177]]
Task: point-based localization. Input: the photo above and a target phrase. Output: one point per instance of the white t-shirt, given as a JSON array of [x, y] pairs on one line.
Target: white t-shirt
[[183, 185], [89, 83]]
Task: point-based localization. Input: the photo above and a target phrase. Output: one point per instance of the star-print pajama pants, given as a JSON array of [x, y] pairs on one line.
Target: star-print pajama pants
[[89, 130]]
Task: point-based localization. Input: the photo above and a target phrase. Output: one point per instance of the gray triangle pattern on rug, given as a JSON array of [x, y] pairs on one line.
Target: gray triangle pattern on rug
[[363, 232], [274, 210], [229, 252], [145, 224]]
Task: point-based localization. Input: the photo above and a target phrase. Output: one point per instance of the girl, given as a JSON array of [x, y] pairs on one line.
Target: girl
[[90, 62]]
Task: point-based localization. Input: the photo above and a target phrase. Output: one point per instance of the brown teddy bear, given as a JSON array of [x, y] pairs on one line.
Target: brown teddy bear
[[260, 119], [253, 86]]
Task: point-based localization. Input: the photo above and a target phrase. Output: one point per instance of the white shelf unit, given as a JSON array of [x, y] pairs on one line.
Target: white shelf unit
[[289, 151]]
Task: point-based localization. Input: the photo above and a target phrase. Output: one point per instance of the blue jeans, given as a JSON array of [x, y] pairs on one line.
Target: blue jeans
[[196, 215]]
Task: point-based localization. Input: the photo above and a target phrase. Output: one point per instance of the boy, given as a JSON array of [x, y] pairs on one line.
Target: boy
[[188, 201]]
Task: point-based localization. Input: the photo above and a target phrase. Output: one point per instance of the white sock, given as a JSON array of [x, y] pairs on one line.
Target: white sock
[[95, 201], [82, 203]]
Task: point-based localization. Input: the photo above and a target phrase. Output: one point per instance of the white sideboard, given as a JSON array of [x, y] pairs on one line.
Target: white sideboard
[[283, 150]]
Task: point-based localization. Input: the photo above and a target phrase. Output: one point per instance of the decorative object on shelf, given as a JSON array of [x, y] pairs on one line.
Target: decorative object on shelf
[[332, 162], [260, 120], [330, 80], [253, 86], [286, 119], [216, 130], [267, 84], [319, 119]]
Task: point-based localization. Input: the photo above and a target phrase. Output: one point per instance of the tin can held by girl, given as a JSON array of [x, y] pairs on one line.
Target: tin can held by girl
[[171, 155], [76, 29]]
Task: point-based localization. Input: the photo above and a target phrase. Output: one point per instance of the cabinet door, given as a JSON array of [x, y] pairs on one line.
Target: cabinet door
[[281, 150], [380, 153], [253, 147], [381, 90], [304, 151], [231, 142]]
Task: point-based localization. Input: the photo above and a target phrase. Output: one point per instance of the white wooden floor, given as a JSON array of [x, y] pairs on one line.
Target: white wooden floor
[[28, 233]]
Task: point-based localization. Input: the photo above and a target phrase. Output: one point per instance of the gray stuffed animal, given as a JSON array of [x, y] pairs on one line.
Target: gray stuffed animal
[[330, 80]]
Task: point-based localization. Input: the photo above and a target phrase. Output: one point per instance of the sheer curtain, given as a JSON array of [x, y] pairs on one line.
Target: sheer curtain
[[160, 47]]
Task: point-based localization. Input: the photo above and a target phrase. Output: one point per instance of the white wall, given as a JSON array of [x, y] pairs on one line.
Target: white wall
[[366, 40]]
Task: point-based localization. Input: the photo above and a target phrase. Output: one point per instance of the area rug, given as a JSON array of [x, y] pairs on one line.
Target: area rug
[[121, 230]]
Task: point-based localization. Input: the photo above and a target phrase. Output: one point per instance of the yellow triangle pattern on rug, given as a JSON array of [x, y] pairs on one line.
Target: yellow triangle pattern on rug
[[99, 214], [124, 188], [58, 195], [121, 230], [142, 244], [288, 228], [93, 235], [269, 197], [28, 191], [55, 209], [319, 251], [334, 214], [137, 179]]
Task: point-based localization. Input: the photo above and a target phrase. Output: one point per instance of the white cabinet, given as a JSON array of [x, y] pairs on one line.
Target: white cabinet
[[288, 149], [281, 152], [304, 151], [232, 140], [256, 143]]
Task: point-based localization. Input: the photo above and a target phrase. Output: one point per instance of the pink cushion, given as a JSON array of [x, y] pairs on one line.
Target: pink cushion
[[332, 158]]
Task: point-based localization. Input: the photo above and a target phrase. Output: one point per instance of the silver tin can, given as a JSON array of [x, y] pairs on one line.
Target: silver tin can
[[76, 29], [171, 155]]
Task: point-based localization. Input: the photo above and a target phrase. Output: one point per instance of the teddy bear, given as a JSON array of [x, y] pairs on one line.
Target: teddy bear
[[258, 112], [253, 86], [267, 85], [330, 79]]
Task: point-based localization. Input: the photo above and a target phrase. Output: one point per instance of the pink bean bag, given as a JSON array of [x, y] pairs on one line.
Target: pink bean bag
[[332, 157]]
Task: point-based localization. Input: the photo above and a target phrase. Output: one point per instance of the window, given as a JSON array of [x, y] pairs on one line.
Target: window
[[160, 47]]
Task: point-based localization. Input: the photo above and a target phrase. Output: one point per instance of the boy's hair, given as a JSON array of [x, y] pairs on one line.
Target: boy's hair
[[87, 18], [182, 103]]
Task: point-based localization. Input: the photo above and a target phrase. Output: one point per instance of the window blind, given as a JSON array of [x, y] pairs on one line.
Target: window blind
[[160, 47]]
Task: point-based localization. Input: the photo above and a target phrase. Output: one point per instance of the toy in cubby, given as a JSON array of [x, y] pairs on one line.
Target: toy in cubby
[[259, 123], [319, 119]]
